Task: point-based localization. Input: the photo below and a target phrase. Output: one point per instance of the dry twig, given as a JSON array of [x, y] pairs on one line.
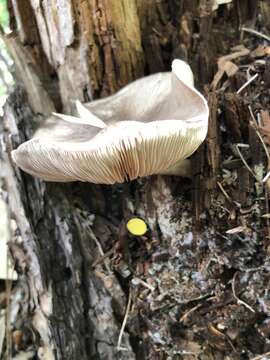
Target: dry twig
[[262, 356], [119, 347], [249, 81], [187, 313], [227, 196], [245, 163], [93, 236], [100, 259], [255, 32], [143, 283], [239, 301]]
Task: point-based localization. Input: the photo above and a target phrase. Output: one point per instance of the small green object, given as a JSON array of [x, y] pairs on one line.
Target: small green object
[[136, 226]]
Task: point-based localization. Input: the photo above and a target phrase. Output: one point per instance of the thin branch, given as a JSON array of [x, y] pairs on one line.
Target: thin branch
[[266, 177], [102, 258], [255, 32], [262, 356], [227, 196], [119, 347], [263, 144], [238, 300], [266, 192], [137, 280], [247, 83], [93, 236], [187, 313], [246, 164]]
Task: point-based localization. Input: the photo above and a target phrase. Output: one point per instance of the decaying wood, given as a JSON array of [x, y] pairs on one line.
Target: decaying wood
[[193, 279], [66, 280]]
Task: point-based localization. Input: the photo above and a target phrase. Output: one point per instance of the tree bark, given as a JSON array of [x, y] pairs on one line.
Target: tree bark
[[78, 266]]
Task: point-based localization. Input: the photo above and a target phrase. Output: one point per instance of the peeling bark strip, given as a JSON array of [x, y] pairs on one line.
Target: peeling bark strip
[[28, 72], [107, 31], [56, 27], [197, 279], [25, 22]]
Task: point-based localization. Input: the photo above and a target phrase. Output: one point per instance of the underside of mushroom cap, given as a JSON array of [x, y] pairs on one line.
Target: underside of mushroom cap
[[150, 125]]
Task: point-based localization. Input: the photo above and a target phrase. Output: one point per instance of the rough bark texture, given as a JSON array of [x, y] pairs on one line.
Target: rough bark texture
[[73, 298]]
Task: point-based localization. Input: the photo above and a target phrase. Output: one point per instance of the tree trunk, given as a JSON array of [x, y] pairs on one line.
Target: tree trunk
[[78, 268]]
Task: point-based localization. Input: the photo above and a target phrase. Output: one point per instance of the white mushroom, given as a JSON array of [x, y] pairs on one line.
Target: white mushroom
[[149, 127]]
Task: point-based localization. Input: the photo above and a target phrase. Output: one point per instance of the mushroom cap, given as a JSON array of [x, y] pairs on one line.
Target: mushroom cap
[[143, 129]]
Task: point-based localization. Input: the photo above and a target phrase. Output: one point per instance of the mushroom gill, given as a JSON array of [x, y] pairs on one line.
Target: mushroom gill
[[149, 127]]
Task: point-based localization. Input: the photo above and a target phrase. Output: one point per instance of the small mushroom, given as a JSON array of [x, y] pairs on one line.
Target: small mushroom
[[149, 127]]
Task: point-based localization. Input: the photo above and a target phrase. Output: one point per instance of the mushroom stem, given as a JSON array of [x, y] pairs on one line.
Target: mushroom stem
[[181, 168]]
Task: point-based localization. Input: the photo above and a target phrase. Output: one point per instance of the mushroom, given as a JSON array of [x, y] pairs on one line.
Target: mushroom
[[149, 127]]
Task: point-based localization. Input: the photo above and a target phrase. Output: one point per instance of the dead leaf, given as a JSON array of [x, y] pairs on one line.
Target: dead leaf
[[261, 51], [230, 68], [226, 66]]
